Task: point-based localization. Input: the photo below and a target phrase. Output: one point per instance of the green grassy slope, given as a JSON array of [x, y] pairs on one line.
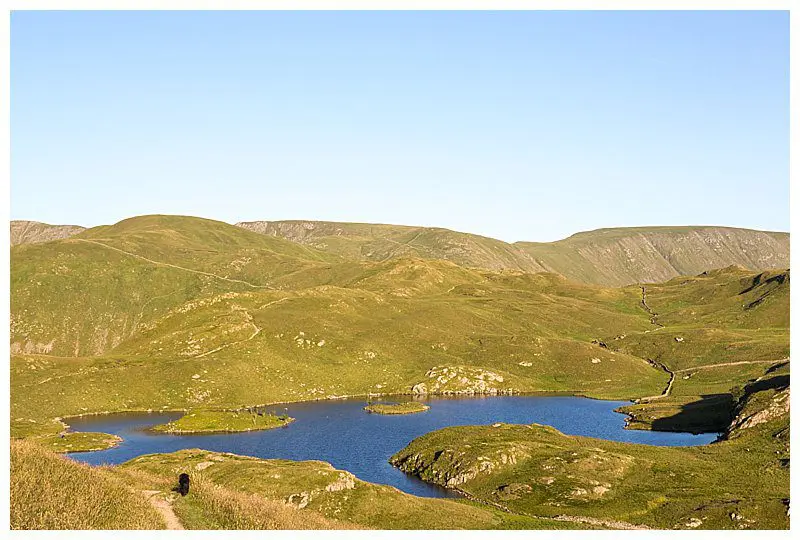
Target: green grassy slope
[[313, 488], [328, 341], [720, 331], [611, 257], [226, 492], [83, 296], [378, 242], [52, 492], [95, 329]]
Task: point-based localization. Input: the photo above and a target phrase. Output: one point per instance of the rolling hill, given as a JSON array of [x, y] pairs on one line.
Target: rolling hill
[[180, 312], [177, 313], [610, 257], [376, 242]]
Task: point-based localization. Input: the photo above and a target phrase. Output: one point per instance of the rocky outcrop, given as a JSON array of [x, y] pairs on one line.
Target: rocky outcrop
[[33, 232], [745, 419], [466, 380], [512, 491], [452, 467], [344, 481]]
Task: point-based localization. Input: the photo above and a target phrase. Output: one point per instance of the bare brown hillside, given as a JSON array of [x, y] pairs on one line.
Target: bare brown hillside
[[33, 232]]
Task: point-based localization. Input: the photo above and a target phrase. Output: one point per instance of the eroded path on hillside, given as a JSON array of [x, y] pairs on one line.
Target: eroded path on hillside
[[673, 373], [160, 263], [164, 508], [256, 329], [652, 313], [724, 364]]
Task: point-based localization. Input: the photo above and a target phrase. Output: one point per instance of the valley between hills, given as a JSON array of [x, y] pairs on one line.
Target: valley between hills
[[689, 325]]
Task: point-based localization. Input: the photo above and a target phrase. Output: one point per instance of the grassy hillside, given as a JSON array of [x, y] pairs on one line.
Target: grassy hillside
[[177, 320], [226, 492], [616, 257], [170, 312], [52, 492], [95, 329], [740, 483], [86, 294], [309, 488], [715, 332], [610, 257], [377, 242]]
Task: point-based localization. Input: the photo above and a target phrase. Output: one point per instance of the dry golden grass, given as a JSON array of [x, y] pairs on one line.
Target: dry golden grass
[[210, 505], [49, 491]]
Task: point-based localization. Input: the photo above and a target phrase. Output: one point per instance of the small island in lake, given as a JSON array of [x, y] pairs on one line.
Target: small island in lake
[[71, 441], [208, 421], [408, 407]]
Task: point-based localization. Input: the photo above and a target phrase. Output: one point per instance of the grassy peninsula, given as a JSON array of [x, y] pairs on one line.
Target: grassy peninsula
[[741, 482]]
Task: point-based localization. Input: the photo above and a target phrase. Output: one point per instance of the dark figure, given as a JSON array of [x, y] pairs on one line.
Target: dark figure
[[183, 484]]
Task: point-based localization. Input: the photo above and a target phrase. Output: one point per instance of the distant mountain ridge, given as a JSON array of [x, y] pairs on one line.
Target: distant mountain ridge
[[33, 232], [608, 257], [378, 242], [622, 256]]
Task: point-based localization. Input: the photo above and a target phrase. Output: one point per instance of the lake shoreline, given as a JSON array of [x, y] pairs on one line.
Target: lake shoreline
[[64, 420]]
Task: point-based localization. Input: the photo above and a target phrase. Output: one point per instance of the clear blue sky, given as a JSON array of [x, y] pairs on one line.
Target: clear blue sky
[[515, 125]]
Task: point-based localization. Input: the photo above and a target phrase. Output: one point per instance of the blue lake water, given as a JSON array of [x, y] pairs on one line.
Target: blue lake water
[[343, 434]]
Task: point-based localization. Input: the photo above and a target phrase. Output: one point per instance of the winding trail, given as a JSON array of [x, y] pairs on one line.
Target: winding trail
[[137, 320], [407, 243], [159, 263], [217, 349], [673, 373], [652, 313], [163, 507], [742, 363], [667, 390], [256, 330]]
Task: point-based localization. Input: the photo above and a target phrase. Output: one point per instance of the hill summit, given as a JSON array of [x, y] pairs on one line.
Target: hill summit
[[609, 257]]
